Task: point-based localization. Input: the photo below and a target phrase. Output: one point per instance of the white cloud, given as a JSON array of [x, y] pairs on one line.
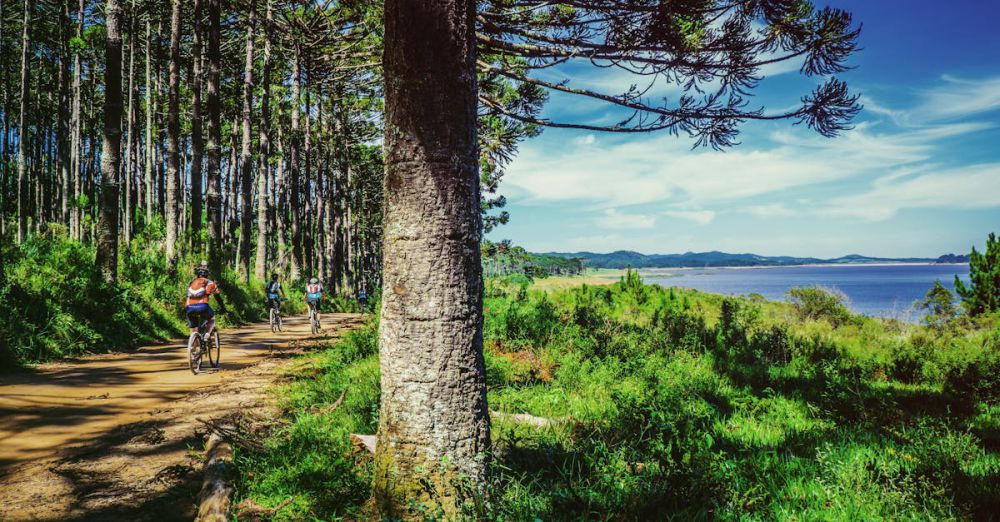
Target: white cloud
[[663, 169], [770, 210], [615, 220], [702, 217], [588, 139], [971, 187], [959, 97]]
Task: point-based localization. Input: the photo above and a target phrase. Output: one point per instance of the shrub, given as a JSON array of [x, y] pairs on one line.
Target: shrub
[[817, 302]]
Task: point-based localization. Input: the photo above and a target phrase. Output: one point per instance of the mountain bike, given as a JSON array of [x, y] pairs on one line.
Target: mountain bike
[[200, 344], [274, 317], [314, 319]]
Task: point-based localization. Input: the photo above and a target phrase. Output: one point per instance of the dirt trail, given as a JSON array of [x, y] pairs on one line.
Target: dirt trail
[[109, 437]]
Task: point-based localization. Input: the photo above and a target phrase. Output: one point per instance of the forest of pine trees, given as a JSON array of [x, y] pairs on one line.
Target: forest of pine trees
[[244, 132]]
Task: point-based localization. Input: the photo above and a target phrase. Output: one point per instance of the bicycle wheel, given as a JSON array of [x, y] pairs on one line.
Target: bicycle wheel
[[278, 315], [194, 353], [272, 320], [214, 349]]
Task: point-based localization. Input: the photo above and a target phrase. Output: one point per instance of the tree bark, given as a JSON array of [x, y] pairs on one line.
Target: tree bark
[[22, 129], [77, 123], [173, 132], [107, 240], [150, 156], [434, 421], [131, 191], [294, 204], [246, 180], [213, 197], [264, 172], [196, 137], [64, 155]]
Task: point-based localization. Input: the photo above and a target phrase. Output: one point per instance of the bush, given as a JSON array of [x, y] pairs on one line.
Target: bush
[[814, 303]]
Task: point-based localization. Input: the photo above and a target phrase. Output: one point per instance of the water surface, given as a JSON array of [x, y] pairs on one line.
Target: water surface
[[880, 290]]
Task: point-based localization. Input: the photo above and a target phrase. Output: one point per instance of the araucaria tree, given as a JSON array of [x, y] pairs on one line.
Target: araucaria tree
[[107, 226], [434, 427], [982, 294]]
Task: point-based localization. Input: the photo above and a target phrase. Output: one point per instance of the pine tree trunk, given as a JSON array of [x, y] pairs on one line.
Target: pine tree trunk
[[196, 137], [77, 136], [214, 173], [264, 172], [246, 180], [173, 132], [22, 129], [294, 203], [64, 155], [130, 118], [107, 240], [433, 421], [150, 155], [307, 214]]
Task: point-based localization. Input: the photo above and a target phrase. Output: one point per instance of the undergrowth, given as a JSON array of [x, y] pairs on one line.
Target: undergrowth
[[56, 303], [680, 405]]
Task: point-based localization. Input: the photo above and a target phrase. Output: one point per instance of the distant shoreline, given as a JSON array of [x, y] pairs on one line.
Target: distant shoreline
[[745, 267]]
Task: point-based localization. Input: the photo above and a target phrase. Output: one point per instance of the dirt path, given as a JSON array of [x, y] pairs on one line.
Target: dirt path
[[110, 437]]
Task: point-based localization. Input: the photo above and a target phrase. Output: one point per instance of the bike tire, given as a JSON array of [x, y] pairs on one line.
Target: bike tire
[[279, 321], [273, 321], [214, 349], [194, 354]]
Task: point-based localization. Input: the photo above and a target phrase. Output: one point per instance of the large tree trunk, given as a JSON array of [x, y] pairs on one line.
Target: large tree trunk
[[433, 421], [173, 132], [264, 172], [22, 129], [107, 240], [246, 180], [213, 201], [196, 138]]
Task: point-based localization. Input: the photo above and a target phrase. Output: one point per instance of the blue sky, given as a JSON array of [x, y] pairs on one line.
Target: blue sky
[[918, 176]]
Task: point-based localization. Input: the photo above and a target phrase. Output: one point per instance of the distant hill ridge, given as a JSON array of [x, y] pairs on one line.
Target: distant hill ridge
[[624, 258]]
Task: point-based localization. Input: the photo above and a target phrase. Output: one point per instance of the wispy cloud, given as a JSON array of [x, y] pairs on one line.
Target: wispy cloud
[[975, 186], [958, 97], [613, 219], [702, 217]]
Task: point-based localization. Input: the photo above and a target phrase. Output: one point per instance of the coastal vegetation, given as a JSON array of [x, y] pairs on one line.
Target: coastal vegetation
[[657, 401]]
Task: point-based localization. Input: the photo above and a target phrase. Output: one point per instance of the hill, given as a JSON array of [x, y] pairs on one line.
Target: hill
[[625, 258]]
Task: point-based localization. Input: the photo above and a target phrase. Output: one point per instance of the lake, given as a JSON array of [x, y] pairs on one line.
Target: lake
[[878, 290]]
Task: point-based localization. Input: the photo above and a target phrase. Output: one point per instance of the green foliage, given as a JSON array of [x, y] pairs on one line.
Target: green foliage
[[671, 403], [57, 304], [820, 303], [982, 295], [308, 459], [940, 306]]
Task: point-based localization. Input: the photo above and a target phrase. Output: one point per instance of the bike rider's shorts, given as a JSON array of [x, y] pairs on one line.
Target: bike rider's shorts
[[273, 299], [197, 313]]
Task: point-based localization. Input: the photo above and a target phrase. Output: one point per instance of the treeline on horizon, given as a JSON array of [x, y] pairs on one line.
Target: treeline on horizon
[[625, 258]]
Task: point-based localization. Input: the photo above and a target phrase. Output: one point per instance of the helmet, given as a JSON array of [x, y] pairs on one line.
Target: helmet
[[313, 281], [202, 269], [274, 276]]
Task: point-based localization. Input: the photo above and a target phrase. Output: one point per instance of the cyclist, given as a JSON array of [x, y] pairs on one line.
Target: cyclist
[[198, 294], [274, 292], [362, 299], [314, 294]]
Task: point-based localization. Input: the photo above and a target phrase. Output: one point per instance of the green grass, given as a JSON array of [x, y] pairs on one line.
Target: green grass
[[681, 405]]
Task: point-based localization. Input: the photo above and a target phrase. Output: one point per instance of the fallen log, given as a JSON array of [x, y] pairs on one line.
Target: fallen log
[[217, 485], [527, 418]]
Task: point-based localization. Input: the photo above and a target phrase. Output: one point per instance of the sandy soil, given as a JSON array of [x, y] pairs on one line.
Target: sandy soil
[[119, 436]]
